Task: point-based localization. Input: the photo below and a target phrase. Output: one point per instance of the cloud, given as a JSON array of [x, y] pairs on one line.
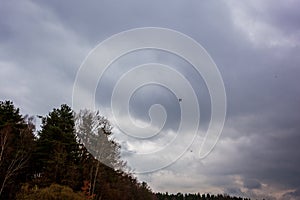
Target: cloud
[[292, 195], [254, 44], [45, 56], [252, 184], [265, 24]]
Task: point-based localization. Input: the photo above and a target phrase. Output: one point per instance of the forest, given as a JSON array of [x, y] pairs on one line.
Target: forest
[[53, 162]]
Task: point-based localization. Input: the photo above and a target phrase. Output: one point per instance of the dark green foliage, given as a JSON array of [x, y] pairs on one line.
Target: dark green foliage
[[9, 115], [57, 151]]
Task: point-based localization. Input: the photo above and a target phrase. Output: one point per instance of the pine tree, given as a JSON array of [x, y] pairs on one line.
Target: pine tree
[[57, 152]]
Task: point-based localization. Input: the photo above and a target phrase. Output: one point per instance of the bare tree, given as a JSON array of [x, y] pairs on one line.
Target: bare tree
[[21, 153], [3, 141], [94, 130]]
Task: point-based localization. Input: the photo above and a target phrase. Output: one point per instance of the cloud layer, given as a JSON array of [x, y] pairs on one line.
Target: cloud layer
[[255, 45]]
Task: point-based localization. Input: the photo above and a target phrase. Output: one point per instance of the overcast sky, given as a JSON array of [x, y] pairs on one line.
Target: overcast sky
[[255, 45]]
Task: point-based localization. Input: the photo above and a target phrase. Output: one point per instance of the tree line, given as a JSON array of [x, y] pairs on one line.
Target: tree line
[[196, 196], [72, 156], [53, 163]]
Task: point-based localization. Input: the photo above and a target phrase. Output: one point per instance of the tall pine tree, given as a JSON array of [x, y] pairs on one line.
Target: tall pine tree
[[57, 152]]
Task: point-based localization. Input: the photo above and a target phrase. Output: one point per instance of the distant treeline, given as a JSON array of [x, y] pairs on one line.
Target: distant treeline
[[54, 163], [198, 196]]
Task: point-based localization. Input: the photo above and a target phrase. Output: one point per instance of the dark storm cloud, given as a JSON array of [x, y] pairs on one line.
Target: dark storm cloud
[[106, 17], [252, 184], [255, 45], [149, 95]]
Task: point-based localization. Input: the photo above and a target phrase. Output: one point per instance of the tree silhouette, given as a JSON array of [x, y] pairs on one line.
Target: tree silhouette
[[57, 152], [16, 145]]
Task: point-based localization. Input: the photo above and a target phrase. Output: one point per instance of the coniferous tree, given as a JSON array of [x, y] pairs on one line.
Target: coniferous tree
[[57, 152]]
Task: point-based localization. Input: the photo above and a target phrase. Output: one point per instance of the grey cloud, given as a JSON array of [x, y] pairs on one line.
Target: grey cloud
[[43, 43], [234, 191], [151, 94], [46, 54], [252, 184], [292, 195]]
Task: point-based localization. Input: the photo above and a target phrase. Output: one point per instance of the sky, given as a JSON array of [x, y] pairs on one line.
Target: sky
[[254, 44]]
